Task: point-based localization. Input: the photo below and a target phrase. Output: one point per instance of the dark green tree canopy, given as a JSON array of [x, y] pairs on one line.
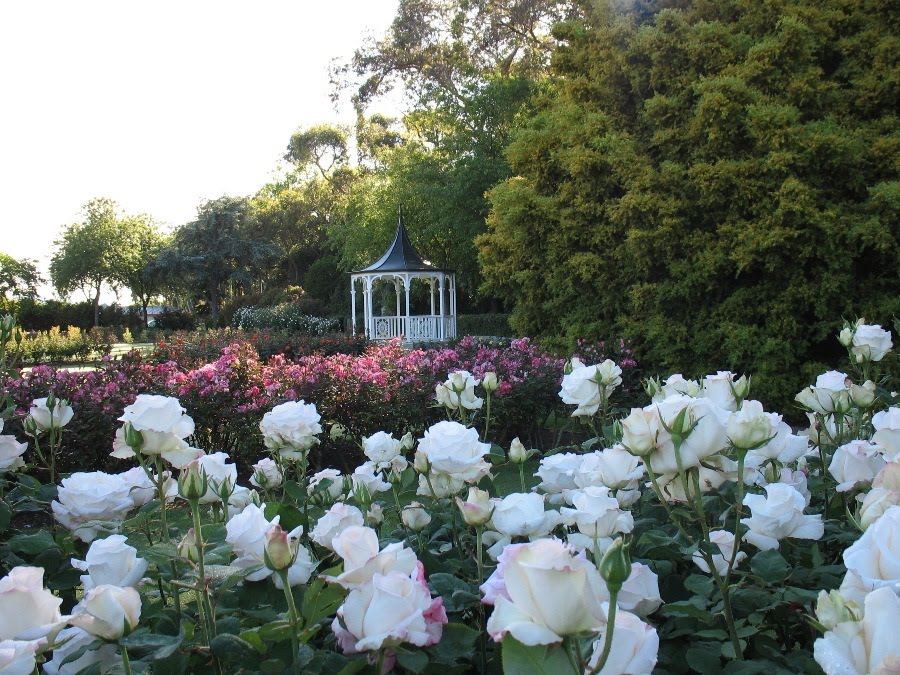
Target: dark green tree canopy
[[18, 278], [216, 254], [718, 181]]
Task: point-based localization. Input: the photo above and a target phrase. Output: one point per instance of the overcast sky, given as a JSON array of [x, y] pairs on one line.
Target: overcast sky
[[158, 105]]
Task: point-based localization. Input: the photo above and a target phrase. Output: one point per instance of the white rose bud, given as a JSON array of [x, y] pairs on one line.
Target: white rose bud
[[477, 508], [832, 609], [640, 431], [415, 517], [517, 451], [108, 612], [845, 337], [489, 382], [863, 395]]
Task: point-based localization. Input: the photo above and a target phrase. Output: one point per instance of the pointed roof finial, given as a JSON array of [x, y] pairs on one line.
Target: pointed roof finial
[[401, 254]]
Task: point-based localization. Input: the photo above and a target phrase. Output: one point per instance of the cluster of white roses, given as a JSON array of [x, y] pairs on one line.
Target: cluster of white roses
[[31, 623], [589, 387]]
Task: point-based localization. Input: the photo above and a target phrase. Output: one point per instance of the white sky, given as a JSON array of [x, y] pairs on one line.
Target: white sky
[[158, 105]]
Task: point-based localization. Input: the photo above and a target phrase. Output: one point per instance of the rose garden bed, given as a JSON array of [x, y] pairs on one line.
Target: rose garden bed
[[694, 533]]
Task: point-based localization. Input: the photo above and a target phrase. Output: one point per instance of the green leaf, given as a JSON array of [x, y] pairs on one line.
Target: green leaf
[[5, 515], [153, 644], [294, 490], [232, 649], [413, 661], [688, 609], [770, 566], [320, 600], [456, 642], [32, 544], [537, 660], [704, 658]]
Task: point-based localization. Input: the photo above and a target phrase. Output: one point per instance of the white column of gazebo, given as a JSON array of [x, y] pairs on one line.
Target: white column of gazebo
[[400, 265]]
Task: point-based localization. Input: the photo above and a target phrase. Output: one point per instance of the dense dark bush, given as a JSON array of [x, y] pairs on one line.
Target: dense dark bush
[[496, 325]]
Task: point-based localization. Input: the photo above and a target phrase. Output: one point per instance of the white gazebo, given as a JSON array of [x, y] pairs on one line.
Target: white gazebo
[[400, 265]]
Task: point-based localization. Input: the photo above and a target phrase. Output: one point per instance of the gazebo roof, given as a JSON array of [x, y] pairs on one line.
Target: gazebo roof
[[401, 256]]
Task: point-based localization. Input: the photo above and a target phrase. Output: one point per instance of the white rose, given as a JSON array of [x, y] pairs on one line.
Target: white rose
[[140, 487], [640, 592], [873, 560], [542, 592], [706, 439], [90, 503], [833, 380], [381, 448], [710, 478], [867, 646], [522, 514], [724, 541], [597, 514], [335, 520], [833, 608], [335, 487], [871, 342], [640, 431], [358, 548], [163, 426], [887, 432], [28, 611], [884, 494], [111, 561], [779, 515], [291, 428], [719, 389], [459, 392], [266, 474], [783, 445], [240, 498], [749, 427], [17, 657], [615, 468], [108, 612], [797, 480], [454, 451], [415, 517], [73, 639], [365, 478], [581, 388], [391, 609], [219, 475], [11, 452], [557, 473], [855, 464], [634, 650], [677, 384], [45, 419], [246, 533]]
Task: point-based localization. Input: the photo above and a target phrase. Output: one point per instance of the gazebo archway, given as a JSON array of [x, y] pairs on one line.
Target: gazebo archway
[[400, 265]]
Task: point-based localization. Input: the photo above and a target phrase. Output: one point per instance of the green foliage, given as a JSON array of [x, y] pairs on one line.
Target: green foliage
[[18, 278], [717, 182], [494, 325], [217, 252], [283, 317]]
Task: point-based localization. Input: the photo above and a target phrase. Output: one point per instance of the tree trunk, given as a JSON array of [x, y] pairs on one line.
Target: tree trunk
[[97, 305], [144, 304], [214, 305]]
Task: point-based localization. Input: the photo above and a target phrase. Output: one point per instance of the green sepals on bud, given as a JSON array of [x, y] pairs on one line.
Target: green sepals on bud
[[192, 483], [489, 382], [652, 386], [280, 549], [407, 442], [569, 367], [421, 463], [863, 395], [51, 401], [615, 566], [224, 490], [187, 547], [134, 439], [7, 323], [30, 426], [741, 388]]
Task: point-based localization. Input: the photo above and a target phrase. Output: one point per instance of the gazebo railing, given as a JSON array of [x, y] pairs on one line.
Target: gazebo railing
[[413, 328]]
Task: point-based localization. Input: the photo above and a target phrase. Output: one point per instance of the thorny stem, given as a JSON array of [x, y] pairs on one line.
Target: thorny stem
[[294, 618], [610, 629]]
